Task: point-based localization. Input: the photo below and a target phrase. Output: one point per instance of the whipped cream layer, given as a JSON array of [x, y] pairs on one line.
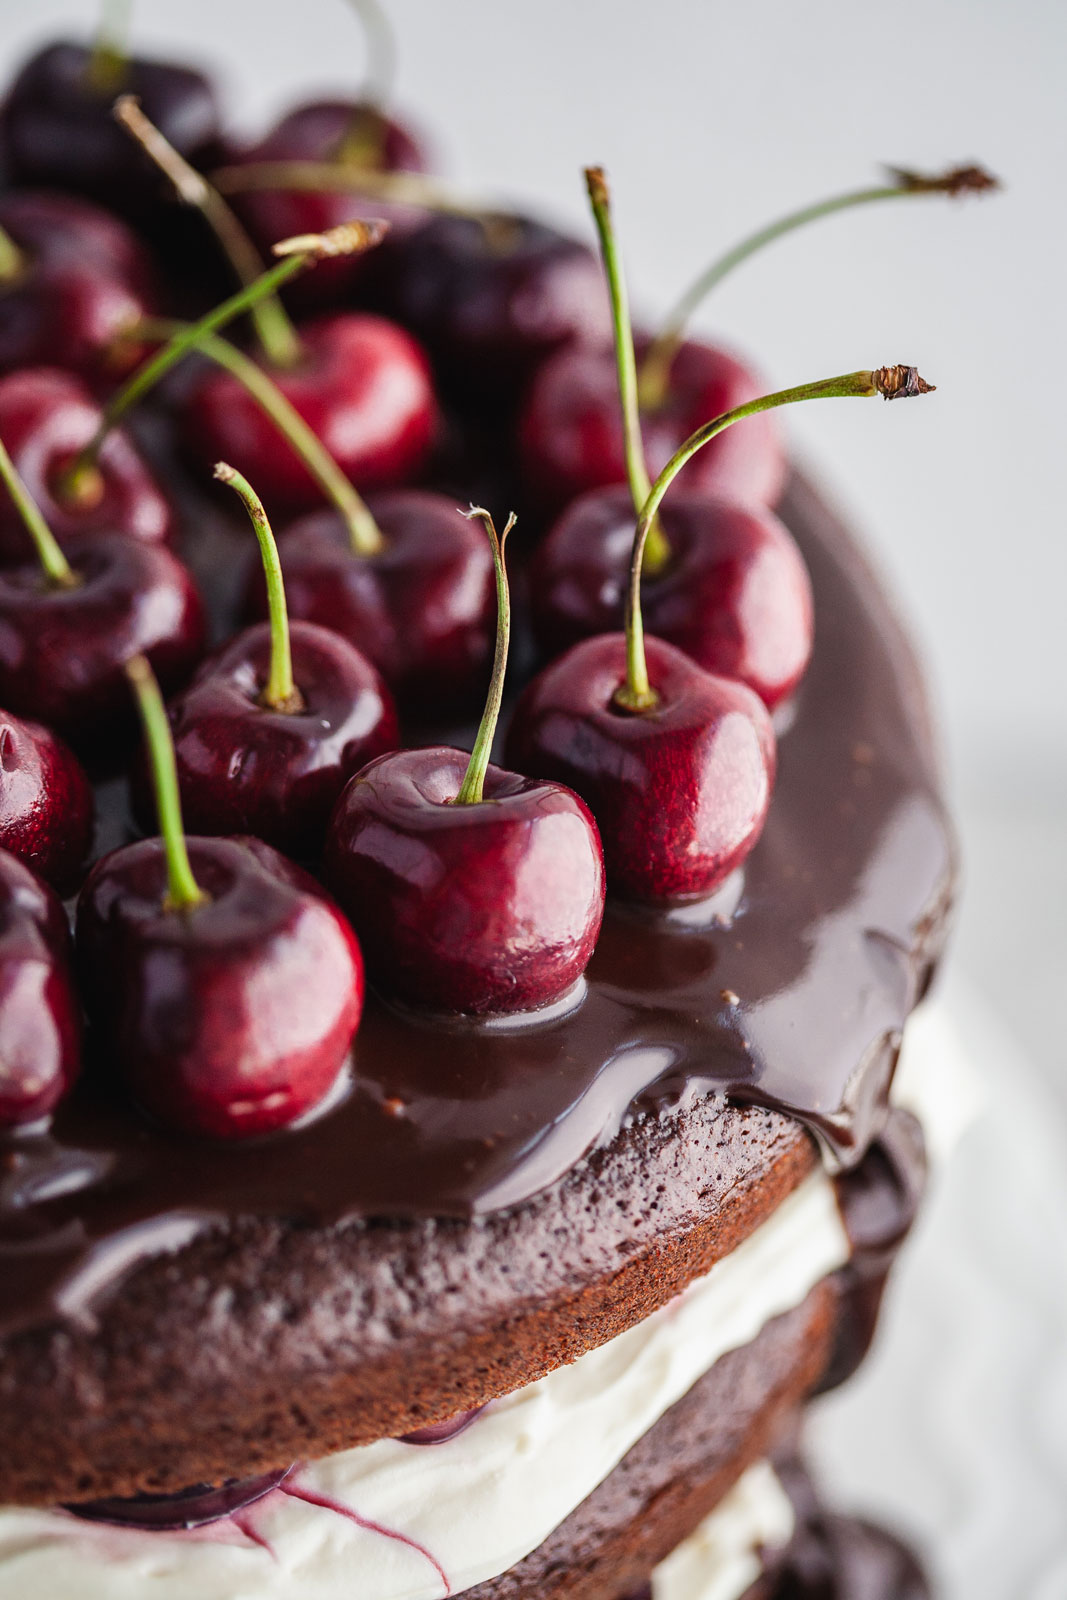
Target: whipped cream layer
[[421, 1522], [724, 1556]]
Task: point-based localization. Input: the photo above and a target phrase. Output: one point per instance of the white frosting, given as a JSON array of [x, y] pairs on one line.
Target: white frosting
[[723, 1557], [460, 1512]]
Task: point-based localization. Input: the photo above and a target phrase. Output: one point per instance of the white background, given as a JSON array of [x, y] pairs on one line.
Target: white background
[[712, 118]]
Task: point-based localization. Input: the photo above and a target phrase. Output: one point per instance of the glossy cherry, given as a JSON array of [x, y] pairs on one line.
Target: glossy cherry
[[724, 583], [220, 981], [46, 417], [572, 437], [46, 801], [420, 607], [73, 281], [273, 726], [40, 1017], [231, 1017], [358, 140], [676, 763], [62, 648], [59, 133], [195, 1507], [361, 383], [733, 592], [474, 890], [680, 791], [492, 299]]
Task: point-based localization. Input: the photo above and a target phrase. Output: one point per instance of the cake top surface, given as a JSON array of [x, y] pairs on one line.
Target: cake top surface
[[790, 989]]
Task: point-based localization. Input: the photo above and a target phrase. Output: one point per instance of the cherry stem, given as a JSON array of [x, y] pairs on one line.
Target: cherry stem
[[275, 331], [892, 383], [363, 142], [183, 891], [657, 550], [401, 188], [12, 260], [107, 61], [57, 569], [345, 240], [472, 789], [655, 372], [280, 692], [363, 532]]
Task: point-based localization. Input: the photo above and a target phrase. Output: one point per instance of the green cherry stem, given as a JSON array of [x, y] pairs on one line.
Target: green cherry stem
[[183, 891], [107, 59], [657, 550], [892, 383], [57, 569], [280, 692], [363, 532], [472, 789], [659, 357], [363, 143], [401, 188], [12, 260], [276, 333], [297, 254]]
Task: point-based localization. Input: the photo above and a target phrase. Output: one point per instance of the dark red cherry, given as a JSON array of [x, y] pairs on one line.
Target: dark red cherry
[[734, 593], [680, 792], [46, 801], [40, 1017], [491, 300], [81, 280], [488, 907], [363, 386], [62, 649], [195, 1507], [46, 416], [59, 133], [441, 1432], [244, 767], [571, 427], [354, 137], [230, 1017], [421, 608]]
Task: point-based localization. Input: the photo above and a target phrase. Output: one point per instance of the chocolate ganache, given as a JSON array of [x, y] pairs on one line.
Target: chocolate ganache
[[790, 991]]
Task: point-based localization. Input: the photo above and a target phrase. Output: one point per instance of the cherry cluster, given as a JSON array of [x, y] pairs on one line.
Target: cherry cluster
[[409, 345]]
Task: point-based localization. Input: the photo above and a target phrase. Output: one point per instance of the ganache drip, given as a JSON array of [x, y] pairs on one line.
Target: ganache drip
[[839, 921]]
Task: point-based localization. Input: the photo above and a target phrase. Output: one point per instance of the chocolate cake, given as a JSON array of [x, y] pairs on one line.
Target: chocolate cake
[[527, 1305]]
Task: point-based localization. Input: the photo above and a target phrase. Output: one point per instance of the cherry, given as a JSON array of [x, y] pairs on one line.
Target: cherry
[[66, 630], [273, 727], [359, 142], [676, 763], [221, 982], [571, 436], [73, 279], [40, 1018], [326, 158], [46, 801], [492, 298], [46, 418], [363, 386], [679, 789], [195, 1507], [417, 598], [733, 593], [475, 890], [571, 426], [59, 133], [723, 582]]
